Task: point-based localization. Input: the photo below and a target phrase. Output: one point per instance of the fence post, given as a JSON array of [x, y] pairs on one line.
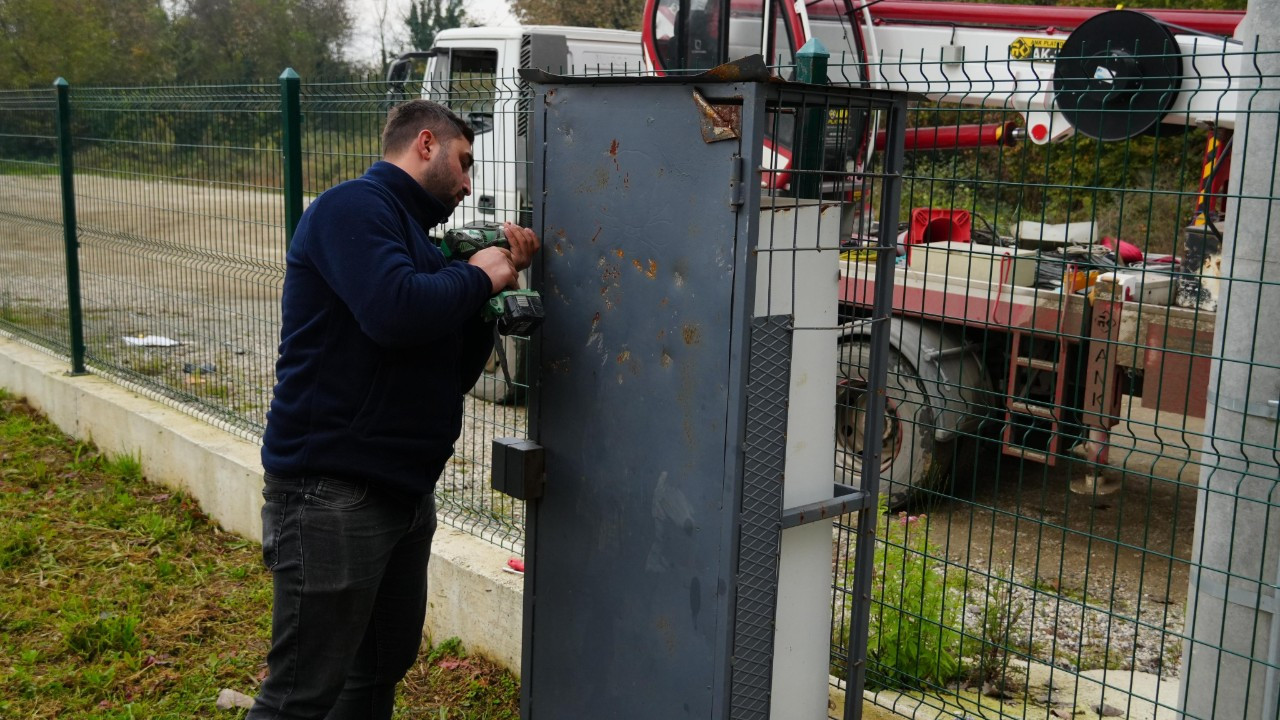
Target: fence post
[[811, 67], [70, 235], [1233, 618], [291, 124]]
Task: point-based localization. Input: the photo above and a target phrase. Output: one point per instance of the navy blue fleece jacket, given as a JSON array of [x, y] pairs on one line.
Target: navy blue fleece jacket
[[381, 337]]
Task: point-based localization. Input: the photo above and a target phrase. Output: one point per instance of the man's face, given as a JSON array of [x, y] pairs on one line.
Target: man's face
[[448, 173]]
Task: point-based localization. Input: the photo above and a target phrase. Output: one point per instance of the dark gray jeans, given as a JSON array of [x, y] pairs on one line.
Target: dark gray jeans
[[349, 566]]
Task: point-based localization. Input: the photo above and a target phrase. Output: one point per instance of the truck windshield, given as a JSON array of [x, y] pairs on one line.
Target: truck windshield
[[688, 34], [464, 79], [746, 30]]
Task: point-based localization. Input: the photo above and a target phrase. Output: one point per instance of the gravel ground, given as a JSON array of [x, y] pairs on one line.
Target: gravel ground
[[1075, 635]]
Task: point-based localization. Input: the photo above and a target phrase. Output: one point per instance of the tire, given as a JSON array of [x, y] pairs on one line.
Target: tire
[[493, 386], [911, 462]]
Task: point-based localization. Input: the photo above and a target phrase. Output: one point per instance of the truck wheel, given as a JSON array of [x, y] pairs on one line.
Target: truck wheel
[[493, 386], [911, 462]]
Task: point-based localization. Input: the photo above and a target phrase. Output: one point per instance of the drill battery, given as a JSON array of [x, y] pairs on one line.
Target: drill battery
[[516, 312]]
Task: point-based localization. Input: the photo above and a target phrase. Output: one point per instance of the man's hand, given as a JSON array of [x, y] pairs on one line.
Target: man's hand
[[498, 264], [524, 243]]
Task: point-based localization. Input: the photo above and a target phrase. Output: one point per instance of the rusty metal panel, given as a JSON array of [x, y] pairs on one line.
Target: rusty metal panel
[[631, 550], [1177, 363]]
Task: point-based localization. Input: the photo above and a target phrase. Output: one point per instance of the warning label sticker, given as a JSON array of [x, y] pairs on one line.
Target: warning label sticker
[[1035, 49]]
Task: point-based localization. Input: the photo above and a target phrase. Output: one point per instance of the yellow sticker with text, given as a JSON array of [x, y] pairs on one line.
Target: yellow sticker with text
[[1035, 49]]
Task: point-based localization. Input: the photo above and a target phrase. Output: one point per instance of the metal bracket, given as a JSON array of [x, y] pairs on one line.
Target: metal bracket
[[847, 499]]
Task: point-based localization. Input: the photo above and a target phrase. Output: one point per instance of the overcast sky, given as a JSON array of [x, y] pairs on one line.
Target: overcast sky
[[364, 39]]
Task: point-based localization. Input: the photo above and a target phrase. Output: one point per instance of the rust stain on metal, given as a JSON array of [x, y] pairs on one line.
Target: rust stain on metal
[[559, 248], [613, 148], [750, 68], [560, 233], [691, 334], [652, 272], [595, 322], [618, 252], [666, 359], [636, 262], [662, 334], [717, 122], [624, 356]]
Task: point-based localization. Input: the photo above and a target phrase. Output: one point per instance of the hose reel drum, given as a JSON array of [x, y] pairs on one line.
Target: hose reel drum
[[1117, 75]]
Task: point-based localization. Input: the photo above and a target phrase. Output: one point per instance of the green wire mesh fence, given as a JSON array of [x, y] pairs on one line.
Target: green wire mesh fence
[[33, 286], [177, 198], [1052, 394], [1053, 375]]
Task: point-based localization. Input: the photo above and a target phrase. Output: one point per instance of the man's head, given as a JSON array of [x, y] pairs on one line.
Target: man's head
[[433, 145]]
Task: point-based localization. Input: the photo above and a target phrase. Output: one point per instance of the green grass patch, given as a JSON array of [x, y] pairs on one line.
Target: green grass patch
[[120, 599]]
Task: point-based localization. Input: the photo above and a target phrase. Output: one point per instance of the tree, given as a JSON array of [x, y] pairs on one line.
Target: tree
[[254, 40], [428, 17], [97, 42], [621, 14]]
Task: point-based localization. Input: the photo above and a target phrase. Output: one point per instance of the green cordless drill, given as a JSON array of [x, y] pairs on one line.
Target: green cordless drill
[[517, 312]]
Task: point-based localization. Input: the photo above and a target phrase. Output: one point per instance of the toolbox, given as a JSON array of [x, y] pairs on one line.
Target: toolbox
[[984, 263]]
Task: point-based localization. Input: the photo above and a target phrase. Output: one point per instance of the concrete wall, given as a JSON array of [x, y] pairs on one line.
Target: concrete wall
[[470, 597]]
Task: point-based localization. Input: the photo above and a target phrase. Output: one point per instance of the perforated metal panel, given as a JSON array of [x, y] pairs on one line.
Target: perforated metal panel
[[768, 383]]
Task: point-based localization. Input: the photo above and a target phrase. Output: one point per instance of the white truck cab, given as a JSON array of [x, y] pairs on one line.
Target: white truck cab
[[474, 72]]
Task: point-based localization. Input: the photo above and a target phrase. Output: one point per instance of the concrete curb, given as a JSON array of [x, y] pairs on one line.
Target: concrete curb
[[470, 595]]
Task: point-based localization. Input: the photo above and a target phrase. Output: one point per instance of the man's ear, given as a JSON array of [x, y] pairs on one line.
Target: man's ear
[[426, 144]]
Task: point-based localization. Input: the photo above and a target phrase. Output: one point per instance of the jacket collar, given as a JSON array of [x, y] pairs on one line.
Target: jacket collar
[[422, 205]]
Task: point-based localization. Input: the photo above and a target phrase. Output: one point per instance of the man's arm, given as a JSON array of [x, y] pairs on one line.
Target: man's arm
[[358, 249]]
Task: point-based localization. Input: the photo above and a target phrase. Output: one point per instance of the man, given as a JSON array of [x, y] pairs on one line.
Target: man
[[381, 337]]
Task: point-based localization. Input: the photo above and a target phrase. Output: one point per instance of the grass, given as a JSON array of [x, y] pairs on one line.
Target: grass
[[120, 599]]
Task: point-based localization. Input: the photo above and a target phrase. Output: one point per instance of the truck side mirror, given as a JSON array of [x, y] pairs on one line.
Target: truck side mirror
[[480, 123]]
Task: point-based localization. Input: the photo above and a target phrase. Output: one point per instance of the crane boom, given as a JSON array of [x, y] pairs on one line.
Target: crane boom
[[986, 55]]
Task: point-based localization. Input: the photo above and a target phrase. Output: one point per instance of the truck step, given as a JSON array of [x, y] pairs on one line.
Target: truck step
[[1021, 407], [1036, 363], [1029, 454]]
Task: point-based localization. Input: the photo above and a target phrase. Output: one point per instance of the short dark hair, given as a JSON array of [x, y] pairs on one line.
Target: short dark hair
[[406, 120]]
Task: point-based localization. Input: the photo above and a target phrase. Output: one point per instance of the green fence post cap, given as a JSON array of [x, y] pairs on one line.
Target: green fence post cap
[[813, 48], [288, 74], [60, 82]]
